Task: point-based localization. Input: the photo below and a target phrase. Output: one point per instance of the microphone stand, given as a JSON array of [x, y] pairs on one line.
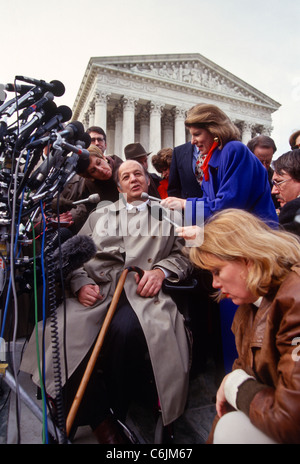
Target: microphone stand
[[32, 406]]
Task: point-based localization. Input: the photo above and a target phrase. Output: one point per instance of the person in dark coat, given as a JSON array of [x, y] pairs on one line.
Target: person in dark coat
[[286, 187]]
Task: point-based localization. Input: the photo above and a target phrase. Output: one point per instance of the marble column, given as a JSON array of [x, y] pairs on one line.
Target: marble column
[[129, 104], [247, 132], [144, 127], [168, 130], [91, 114], [101, 99], [110, 135], [155, 126], [118, 117], [179, 136]]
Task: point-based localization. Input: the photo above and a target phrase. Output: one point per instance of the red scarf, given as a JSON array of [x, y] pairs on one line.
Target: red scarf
[[207, 159]]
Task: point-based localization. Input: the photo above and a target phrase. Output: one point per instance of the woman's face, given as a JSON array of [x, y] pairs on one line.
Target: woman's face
[[99, 168], [165, 173], [202, 138], [230, 278]]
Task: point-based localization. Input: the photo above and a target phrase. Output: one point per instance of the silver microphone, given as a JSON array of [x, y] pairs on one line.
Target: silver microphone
[[94, 198], [145, 196]]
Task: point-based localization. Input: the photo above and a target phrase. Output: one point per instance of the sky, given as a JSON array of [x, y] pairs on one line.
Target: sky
[[254, 40]]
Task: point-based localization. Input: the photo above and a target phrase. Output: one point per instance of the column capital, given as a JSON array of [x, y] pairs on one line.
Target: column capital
[[101, 97], [129, 102], [155, 108], [179, 112]]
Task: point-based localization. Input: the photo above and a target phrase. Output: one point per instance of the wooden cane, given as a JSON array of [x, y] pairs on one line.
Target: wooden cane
[[99, 342]]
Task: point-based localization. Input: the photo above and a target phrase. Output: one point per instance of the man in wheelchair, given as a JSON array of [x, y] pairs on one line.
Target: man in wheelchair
[[147, 338]]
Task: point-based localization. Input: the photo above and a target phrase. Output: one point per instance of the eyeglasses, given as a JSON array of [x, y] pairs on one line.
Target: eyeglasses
[[97, 139], [276, 183]]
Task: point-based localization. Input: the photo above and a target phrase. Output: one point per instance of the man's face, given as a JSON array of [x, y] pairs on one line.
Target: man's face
[[143, 160], [98, 140], [265, 155], [285, 188], [132, 180]]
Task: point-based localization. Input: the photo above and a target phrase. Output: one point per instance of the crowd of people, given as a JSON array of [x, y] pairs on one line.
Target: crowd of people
[[236, 231]]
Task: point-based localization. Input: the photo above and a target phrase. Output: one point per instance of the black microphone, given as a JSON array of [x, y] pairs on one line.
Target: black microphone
[[56, 87], [159, 213], [47, 111], [74, 253], [18, 88], [64, 114], [73, 130], [37, 106], [54, 159], [94, 198], [8, 108]]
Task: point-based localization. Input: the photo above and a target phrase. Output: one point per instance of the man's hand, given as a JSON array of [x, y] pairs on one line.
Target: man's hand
[[65, 220], [150, 284], [89, 294]]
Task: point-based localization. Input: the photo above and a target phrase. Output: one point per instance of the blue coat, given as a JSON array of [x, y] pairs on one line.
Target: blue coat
[[237, 179]]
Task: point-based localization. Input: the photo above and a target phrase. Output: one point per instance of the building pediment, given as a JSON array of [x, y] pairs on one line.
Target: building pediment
[[190, 73]]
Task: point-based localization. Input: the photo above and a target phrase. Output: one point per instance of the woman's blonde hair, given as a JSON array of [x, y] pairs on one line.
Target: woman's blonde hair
[[213, 119], [235, 234]]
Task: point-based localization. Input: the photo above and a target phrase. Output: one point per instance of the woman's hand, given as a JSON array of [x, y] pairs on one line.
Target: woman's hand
[[89, 294], [222, 406], [190, 232], [150, 284], [173, 203]]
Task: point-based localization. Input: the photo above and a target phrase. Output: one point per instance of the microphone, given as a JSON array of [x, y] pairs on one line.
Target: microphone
[[145, 196], [72, 130], [159, 213], [56, 87], [94, 198], [25, 131], [18, 88], [73, 253], [38, 105], [64, 114]]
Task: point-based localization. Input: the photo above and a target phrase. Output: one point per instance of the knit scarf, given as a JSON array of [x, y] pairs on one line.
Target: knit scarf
[[207, 159]]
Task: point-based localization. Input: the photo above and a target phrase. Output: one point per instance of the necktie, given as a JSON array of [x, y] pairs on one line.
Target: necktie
[[198, 169], [201, 169]]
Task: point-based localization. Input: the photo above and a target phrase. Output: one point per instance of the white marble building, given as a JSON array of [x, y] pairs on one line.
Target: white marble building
[[144, 98]]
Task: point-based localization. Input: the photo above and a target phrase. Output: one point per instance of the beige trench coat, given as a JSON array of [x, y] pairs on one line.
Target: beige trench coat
[[162, 323]]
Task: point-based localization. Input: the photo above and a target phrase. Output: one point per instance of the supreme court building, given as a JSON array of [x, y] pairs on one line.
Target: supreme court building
[[144, 98]]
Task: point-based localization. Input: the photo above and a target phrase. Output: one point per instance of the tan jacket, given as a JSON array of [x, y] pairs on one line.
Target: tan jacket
[[266, 340], [162, 324]]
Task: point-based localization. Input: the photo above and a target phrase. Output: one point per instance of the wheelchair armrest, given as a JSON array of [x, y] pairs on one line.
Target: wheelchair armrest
[[183, 285]]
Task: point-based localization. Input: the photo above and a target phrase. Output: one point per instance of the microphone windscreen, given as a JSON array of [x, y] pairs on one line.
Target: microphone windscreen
[[86, 138], [58, 88], [65, 112], [74, 253]]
